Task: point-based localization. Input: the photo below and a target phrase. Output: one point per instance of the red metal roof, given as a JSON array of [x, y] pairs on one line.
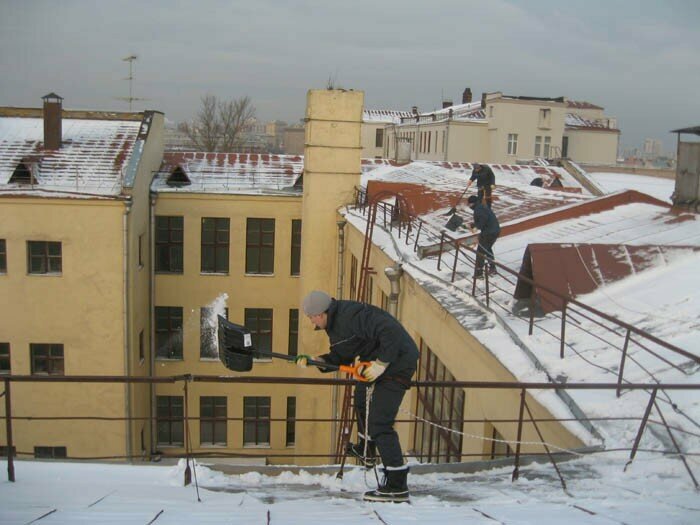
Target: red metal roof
[[577, 269]]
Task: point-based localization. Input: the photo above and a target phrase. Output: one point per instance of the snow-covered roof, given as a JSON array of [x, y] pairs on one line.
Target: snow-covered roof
[[388, 116], [658, 295], [581, 104], [575, 121], [97, 155], [246, 173]]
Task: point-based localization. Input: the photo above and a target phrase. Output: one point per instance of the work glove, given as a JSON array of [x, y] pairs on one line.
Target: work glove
[[374, 370], [301, 360]]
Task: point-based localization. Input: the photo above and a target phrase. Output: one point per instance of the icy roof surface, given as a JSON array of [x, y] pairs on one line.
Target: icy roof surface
[[661, 300], [246, 173], [650, 492], [93, 157], [657, 187], [577, 121], [388, 116]]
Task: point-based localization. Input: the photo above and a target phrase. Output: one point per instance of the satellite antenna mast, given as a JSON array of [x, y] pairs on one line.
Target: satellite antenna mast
[[130, 99]]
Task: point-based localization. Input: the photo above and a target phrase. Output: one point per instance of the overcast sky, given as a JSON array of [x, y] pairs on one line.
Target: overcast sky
[[638, 59]]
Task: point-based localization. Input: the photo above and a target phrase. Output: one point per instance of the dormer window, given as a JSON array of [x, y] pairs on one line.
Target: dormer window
[[178, 178], [22, 175]]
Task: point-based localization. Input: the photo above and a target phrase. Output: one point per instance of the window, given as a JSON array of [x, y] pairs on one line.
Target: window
[[369, 291], [379, 138], [512, 143], [547, 145], [538, 146], [169, 332], [291, 421], [170, 420], [444, 406], [208, 320], [5, 358], [215, 240], [498, 448], [259, 322], [260, 246], [293, 346], [353, 277], [47, 359], [142, 350], [50, 452], [141, 251], [169, 244], [212, 420], [3, 451], [545, 118], [43, 257], [3, 256], [490, 111], [443, 142], [256, 421], [384, 300], [296, 247]]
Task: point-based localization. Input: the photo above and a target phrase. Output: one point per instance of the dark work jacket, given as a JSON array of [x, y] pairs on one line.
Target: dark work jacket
[[361, 330], [483, 177], [486, 220]]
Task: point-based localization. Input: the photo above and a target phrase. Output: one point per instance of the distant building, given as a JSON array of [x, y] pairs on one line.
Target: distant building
[[652, 148], [293, 141], [497, 129]]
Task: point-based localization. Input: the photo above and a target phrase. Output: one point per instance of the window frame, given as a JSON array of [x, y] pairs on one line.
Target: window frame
[[3, 256], [379, 138], [512, 143], [538, 145], [218, 247], [293, 338], [48, 260], [52, 359], [260, 334], [50, 452], [290, 422], [258, 245], [258, 421], [172, 333], [214, 422], [171, 419], [170, 251], [5, 357], [295, 255]]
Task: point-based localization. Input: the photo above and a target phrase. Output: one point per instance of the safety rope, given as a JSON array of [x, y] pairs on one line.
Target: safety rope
[[484, 438]]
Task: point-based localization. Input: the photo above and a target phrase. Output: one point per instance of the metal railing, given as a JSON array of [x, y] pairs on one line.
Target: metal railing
[[574, 314], [524, 417]]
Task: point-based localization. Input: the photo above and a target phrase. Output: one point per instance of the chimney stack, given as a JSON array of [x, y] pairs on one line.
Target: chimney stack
[[52, 121], [446, 104], [414, 110], [467, 96]]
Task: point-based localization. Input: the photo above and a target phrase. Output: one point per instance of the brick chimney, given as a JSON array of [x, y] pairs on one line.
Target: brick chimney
[[467, 96], [52, 121], [446, 104]]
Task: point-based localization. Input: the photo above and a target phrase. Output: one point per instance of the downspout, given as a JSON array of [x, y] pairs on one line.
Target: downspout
[[127, 330], [151, 338], [447, 135], [394, 273], [339, 295]]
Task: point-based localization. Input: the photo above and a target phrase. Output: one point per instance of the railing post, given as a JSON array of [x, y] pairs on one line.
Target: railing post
[[420, 227], [675, 444], [442, 242], [652, 399], [8, 433], [516, 469], [486, 277], [532, 310], [563, 330], [454, 265], [622, 362]]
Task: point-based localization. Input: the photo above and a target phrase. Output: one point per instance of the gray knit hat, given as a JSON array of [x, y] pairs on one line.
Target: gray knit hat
[[316, 303]]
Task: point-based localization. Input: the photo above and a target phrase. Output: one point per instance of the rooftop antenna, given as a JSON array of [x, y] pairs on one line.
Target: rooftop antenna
[[130, 99]]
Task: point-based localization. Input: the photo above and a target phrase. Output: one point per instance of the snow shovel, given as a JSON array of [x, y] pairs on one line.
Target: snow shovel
[[236, 352], [453, 209]]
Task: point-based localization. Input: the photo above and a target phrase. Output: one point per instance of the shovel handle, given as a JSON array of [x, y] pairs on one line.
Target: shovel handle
[[355, 370]]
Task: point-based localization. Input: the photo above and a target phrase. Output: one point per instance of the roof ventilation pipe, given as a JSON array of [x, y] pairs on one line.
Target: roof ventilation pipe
[[52, 121], [394, 274]]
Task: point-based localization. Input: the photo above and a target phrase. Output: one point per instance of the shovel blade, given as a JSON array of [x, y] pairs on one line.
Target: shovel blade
[[454, 222]]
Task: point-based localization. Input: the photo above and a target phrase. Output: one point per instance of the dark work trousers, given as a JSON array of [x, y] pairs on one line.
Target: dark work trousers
[[485, 249], [484, 191], [383, 407]]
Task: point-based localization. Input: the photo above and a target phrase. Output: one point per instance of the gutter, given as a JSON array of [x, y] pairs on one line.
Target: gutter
[[127, 327]]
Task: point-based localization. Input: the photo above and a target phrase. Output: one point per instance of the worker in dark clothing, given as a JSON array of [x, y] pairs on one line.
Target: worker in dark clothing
[[358, 330], [485, 181], [489, 230]]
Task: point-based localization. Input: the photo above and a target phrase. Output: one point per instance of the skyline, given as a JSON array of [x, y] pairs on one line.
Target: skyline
[[638, 60]]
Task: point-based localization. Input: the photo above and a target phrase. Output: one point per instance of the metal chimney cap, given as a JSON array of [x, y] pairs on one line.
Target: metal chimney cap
[[52, 97]]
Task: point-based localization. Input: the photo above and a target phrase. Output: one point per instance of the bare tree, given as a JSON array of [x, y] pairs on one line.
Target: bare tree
[[219, 124]]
